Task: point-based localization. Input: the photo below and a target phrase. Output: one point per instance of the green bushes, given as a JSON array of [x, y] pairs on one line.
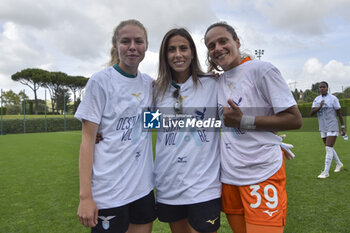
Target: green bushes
[[34, 125], [3, 109], [13, 110], [305, 108], [345, 104]]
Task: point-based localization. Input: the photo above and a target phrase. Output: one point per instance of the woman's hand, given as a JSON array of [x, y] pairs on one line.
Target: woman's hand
[[87, 212], [98, 138], [232, 115], [343, 132]]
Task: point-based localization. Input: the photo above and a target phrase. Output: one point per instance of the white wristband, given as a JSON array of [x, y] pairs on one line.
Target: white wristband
[[343, 126], [247, 122]]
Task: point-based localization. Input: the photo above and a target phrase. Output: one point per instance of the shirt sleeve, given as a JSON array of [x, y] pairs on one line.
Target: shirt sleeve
[[336, 103], [276, 90], [314, 103], [93, 103]]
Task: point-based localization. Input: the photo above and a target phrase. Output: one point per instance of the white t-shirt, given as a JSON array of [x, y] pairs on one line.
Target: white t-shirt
[[327, 115], [123, 160], [258, 89], [187, 163]]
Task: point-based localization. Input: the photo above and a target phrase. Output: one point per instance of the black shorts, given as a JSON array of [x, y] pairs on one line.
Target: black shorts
[[117, 219], [203, 217]]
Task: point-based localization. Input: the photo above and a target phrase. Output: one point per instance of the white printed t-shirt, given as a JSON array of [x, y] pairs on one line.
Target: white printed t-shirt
[[187, 163], [123, 160], [327, 115], [258, 89]]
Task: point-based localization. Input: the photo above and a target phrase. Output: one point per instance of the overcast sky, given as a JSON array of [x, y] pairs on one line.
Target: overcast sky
[[308, 40]]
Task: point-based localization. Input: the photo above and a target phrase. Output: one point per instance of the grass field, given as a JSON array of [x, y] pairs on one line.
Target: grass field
[[39, 185]]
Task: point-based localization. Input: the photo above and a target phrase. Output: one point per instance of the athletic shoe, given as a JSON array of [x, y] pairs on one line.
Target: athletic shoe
[[323, 175], [283, 136], [287, 152], [338, 167]]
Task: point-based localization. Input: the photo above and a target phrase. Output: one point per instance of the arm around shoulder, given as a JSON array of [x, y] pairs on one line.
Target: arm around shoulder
[[286, 120]]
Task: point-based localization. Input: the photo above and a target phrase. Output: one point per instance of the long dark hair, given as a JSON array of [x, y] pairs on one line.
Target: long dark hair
[[164, 71]]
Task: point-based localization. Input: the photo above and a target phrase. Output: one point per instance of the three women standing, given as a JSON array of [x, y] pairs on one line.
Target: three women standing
[[254, 101]]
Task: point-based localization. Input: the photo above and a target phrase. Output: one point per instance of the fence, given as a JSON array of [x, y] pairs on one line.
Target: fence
[[23, 122]]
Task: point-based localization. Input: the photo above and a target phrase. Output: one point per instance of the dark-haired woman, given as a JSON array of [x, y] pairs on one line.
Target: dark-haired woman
[[187, 161], [327, 108], [254, 101]]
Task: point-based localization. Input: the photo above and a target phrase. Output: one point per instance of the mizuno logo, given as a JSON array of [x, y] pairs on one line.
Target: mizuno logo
[[270, 213], [181, 159], [212, 222]]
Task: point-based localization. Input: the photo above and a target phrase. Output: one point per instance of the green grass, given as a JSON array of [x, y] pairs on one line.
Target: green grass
[[33, 116], [39, 182], [317, 205], [39, 185]]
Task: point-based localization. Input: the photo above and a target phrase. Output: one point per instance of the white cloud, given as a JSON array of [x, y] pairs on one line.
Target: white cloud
[[19, 49], [75, 36], [149, 65], [300, 16], [334, 72]]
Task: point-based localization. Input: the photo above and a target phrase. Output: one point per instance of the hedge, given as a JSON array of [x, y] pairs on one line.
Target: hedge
[[4, 109], [305, 108], [35, 125]]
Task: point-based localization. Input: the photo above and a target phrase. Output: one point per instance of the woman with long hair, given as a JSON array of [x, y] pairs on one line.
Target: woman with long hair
[[187, 160]]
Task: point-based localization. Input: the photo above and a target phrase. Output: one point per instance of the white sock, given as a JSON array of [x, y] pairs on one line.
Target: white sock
[[335, 157], [329, 158]]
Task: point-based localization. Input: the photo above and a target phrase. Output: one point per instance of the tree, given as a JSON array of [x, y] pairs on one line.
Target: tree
[[347, 92], [81, 88], [309, 96], [76, 83], [54, 83], [314, 88], [23, 95], [10, 98], [62, 98], [33, 78], [296, 94]]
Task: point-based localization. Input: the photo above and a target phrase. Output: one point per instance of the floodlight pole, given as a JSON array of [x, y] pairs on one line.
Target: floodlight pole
[[259, 53], [64, 111], [45, 114], [24, 111]]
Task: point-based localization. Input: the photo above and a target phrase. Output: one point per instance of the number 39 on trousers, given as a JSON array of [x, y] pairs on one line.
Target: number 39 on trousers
[[272, 201]]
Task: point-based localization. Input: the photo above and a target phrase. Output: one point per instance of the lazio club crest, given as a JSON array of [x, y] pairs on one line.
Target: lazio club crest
[[105, 221]]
